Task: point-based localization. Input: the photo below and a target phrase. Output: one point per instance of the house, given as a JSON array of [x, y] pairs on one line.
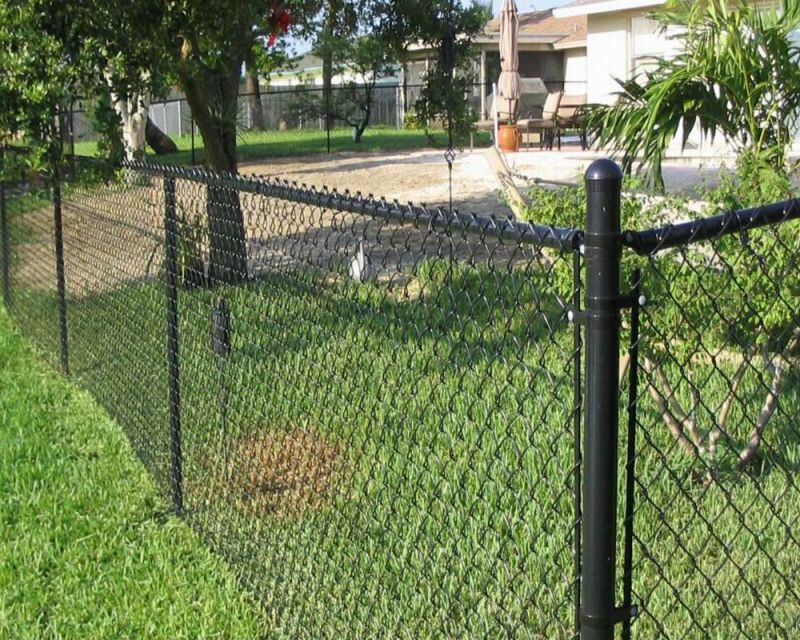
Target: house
[[307, 70], [623, 40], [551, 49]]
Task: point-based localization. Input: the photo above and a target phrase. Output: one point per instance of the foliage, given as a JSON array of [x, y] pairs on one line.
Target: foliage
[[733, 298], [737, 75], [81, 48], [84, 529], [447, 27], [412, 122], [367, 60]]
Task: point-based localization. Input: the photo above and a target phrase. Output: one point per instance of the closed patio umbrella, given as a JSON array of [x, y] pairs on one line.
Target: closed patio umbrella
[[509, 85]]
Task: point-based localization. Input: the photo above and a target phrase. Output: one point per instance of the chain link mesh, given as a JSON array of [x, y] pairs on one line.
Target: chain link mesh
[[377, 409], [715, 542], [373, 410]]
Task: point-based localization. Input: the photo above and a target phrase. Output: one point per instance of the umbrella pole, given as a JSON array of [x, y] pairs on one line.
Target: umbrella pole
[[494, 115]]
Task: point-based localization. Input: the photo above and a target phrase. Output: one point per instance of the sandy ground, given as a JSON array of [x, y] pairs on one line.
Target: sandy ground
[[115, 237], [422, 176]]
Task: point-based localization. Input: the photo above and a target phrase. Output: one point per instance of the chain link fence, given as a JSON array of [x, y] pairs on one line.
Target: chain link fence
[[291, 120], [718, 422], [375, 412], [368, 420]]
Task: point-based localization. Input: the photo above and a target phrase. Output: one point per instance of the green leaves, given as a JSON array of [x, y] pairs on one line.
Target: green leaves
[[738, 75]]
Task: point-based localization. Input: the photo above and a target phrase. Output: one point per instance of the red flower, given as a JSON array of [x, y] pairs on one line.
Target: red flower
[[279, 19]]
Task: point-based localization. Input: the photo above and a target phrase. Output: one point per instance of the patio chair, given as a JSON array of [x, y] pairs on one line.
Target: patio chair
[[569, 117], [503, 115], [546, 126]]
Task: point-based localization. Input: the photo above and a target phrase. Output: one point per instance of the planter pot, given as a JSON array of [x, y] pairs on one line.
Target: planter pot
[[509, 137]]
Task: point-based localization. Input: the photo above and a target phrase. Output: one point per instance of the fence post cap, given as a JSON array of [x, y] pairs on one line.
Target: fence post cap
[[603, 169]]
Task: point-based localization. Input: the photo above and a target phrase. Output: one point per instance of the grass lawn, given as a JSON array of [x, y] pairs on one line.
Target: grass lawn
[[438, 410], [280, 144], [87, 547]]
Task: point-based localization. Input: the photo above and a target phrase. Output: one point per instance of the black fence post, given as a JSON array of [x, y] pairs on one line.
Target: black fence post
[[60, 280], [599, 614], [191, 122], [72, 138], [173, 354], [4, 243]]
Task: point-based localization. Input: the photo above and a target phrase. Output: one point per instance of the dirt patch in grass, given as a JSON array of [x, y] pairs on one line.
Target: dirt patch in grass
[[283, 473]]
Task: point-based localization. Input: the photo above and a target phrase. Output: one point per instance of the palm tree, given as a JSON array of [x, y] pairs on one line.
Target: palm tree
[[738, 75]]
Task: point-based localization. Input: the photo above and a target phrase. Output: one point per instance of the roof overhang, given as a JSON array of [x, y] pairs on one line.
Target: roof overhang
[[521, 39], [574, 44], [605, 6]]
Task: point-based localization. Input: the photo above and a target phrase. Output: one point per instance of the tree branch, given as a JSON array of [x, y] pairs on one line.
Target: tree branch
[[767, 411], [673, 415], [725, 410]]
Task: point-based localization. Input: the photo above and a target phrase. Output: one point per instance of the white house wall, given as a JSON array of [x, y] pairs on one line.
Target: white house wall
[[607, 55], [619, 45], [575, 72]]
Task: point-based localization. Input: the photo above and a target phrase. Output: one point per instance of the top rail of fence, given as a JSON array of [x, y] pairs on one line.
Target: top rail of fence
[[650, 241], [440, 219]]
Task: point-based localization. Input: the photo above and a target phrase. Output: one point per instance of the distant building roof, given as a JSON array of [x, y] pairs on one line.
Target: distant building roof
[[587, 7], [542, 27]]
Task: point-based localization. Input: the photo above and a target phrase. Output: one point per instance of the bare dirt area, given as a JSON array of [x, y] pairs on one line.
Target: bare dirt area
[[420, 177]]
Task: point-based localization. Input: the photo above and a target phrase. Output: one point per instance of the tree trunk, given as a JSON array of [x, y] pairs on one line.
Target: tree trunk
[[133, 114], [213, 99], [254, 97], [361, 127], [157, 140]]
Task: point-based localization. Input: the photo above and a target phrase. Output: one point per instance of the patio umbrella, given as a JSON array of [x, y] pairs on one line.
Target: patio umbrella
[[509, 85]]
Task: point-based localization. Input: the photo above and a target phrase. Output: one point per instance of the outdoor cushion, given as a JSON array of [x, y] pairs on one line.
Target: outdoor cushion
[[551, 105], [536, 123]]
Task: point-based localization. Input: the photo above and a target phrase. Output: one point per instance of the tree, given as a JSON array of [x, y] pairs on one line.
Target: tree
[[738, 74], [448, 27], [367, 61], [89, 48], [129, 49]]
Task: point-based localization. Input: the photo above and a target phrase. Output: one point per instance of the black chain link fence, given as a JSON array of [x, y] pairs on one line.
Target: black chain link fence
[[374, 411], [291, 120], [285, 121], [718, 423], [373, 419]]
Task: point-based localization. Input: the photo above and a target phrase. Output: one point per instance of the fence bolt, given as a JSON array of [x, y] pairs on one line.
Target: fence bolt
[[4, 243], [599, 614], [60, 281], [173, 355]]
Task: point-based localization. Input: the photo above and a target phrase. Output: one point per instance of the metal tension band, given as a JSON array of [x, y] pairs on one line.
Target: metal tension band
[[618, 616], [628, 301], [602, 240]]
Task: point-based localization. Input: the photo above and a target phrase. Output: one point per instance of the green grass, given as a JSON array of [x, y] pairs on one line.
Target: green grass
[[253, 145], [87, 547], [451, 412]]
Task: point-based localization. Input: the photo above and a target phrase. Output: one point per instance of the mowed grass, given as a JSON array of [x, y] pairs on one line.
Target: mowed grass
[[281, 144], [449, 403], [452, 511], [88, 548]]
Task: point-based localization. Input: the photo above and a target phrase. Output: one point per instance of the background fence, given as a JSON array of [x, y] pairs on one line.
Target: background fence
[[375, 412], [289, 120]]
